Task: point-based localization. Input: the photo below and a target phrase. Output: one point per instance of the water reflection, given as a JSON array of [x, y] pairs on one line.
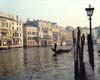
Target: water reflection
[[11, 64], [55, 57], [42, 64], [36, 58], [37, 63]]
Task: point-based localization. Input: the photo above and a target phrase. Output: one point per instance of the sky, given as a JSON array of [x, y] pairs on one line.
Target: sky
[[63, 12]]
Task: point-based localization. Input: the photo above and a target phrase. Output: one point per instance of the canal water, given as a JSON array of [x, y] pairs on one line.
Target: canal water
[[39, 63]]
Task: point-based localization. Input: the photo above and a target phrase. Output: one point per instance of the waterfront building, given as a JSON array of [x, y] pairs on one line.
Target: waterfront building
[[86, 31], [65, 36], [98, 33], [30, 35], [17, 31], [55, 34], [70, 28], [46, 32], [11, 33]]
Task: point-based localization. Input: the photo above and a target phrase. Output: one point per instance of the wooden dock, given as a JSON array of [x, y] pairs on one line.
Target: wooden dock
[[83, 70], [89, 73]]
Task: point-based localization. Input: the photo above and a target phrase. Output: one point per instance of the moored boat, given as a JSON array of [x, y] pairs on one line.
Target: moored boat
[[61, 50]]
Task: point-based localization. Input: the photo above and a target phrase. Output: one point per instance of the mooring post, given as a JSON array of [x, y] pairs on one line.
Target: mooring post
[[81, 51], [77, 77], [74, 47], [90, 50]]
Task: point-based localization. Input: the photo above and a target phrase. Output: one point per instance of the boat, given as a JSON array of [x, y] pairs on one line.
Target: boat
[[61, 50]]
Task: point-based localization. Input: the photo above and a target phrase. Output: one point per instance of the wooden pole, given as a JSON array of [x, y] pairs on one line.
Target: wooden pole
[[81, 57], [74, 47], [77, 56]]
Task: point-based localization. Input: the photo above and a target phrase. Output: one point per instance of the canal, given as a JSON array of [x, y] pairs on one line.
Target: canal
[[38, 63]]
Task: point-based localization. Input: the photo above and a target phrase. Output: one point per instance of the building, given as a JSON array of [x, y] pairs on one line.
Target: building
[[98, 33], [30, 35], [11, 32], [17, 31], [55, 34], [45, 32], [65, 36], [86, 31]]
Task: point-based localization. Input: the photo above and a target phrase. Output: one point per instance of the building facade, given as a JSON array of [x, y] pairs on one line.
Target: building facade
[[55, 34], [11, 33], [44, 33], [65, 36], [47, 32], [17, 31], [86, 31], [30, 35]]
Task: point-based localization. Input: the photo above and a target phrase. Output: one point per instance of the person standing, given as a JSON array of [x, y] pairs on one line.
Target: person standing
[[55, 46]]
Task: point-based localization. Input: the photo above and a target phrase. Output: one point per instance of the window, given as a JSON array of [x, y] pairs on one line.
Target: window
[[17, 23], [13, 34], [13, 28], [34, 38], [17, 28], [2, 24], [33, 33], [28, 33], [16, 34], [28, 38], [20, 29], [7, 24], [55, 34], [4, 34], [20, 40], [20, 23], [12, 23], [20, 34], [46, 36]]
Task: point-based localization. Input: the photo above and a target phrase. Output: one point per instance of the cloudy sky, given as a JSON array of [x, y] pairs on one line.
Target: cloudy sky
[[64, 12]]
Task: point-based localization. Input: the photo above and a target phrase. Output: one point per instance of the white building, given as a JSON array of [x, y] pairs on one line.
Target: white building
[[11, 32], [86, 31]]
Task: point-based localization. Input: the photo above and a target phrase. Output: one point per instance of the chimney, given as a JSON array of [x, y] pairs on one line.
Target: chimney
[[17, 17]]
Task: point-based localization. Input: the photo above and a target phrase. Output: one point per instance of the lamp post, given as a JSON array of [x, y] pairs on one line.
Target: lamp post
[[90, 13], [90, 40]]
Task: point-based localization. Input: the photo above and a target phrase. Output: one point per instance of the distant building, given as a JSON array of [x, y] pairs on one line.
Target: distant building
[[98, 33], [44, 32], [86, 31], [65, 36], [48, 33], [11, 32], [17, 31], [69, 28], [30, 35], [55, 34]]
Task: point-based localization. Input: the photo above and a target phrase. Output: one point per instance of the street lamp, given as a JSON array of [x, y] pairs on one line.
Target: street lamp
[[89, 11], [89, 37]]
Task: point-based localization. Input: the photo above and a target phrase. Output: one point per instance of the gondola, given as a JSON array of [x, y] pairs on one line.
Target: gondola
[[61, 50]]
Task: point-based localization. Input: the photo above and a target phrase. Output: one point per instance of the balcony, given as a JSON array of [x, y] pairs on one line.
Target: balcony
[[4, 28], [4, 35]]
